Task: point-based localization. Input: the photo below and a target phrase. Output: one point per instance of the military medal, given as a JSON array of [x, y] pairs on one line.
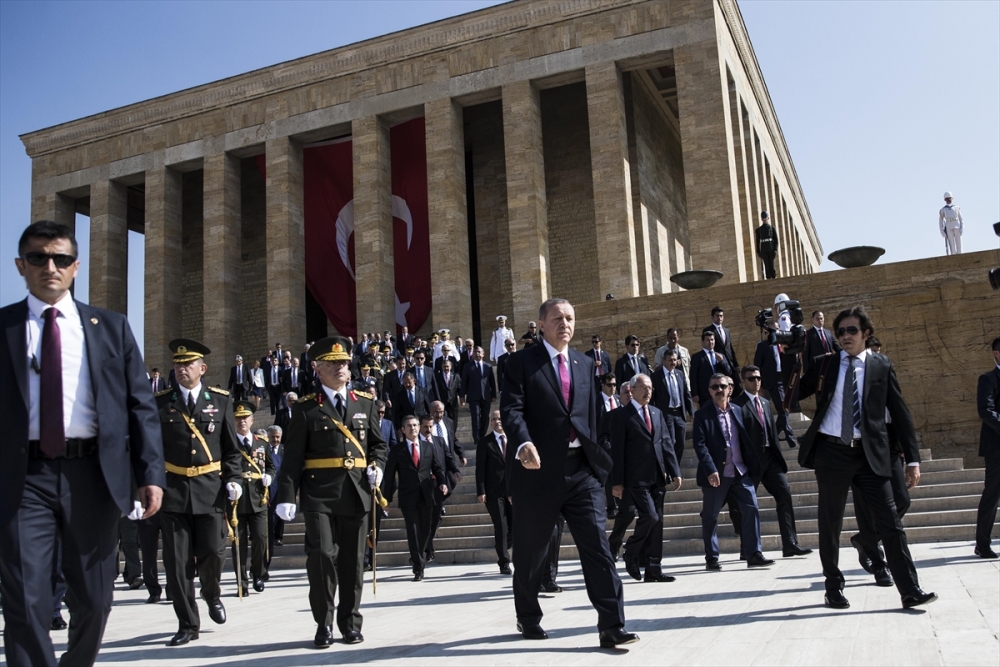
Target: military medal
[[211, 427]]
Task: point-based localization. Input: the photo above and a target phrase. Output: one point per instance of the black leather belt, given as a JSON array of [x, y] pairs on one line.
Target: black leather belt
[[823, 437], [675, 411], [75, 448], [574, 451]]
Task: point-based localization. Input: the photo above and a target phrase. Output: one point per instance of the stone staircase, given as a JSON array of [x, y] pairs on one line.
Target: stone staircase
[[943, 508]]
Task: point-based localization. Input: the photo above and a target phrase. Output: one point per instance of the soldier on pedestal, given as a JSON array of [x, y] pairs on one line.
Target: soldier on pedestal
[[251, 510], [767, 244], [203, 470], [334, 458]]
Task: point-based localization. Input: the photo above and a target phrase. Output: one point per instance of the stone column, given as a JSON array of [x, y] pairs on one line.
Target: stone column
[[617, 263], [54, 207], [222, 265], [108, 246], [163, 281], [451, 286], [709, 160], [286, 282], [373, 258], [527, 219]]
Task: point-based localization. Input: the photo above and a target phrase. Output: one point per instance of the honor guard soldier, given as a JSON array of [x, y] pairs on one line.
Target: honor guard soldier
[[767, 244], [951, 225], [203, 468], [334, 459], [251, 509]]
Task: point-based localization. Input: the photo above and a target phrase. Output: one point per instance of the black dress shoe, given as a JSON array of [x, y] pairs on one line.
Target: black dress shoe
[[657, 576], [58, 622], [632, 567], [617, 637], [153, 598], [985, 552], [883, 578], [550, 587], [505, 569], [266, 577], [324, 636], [443, 511], [863, 559], [430, 557], [183, 637], [616, 553], [258, 585], [135, 584], [216, 611], [279, 543], [418, 576], [242, 591], [712, 565], [532, 631], [758, 560], [836, 600], [353, 637], [917, 597], [795, 550]]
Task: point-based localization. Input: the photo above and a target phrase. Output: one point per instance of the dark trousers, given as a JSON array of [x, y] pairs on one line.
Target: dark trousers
[[678, 428], [500, 513], [987, 514], [777, 395], [128, 536], [624, 518], [65, 506], [238, 392], [582, 505], [647, 538], [417, 517], [550, 574], [768, 259], [58, 585], [193, 543], [451, 409], [149, 538], [275, 532], [274, 397], [714, 497], [775, 481], [480, 413], [867, 534], [335, 550], [439, 499], [838, 467], [254, 527]]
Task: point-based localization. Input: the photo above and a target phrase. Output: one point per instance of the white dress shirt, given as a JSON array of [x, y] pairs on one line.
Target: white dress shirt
[[333, 393], [441, 431], [79, 407], [187, 392], [672, 389], [832, 419]]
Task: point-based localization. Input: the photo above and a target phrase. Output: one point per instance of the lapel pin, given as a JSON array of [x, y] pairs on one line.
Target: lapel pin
[[93, 320]]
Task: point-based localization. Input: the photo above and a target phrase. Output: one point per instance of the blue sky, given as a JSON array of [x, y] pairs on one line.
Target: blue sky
[[884, 105]]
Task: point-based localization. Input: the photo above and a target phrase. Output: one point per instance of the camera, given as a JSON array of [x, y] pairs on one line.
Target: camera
[[794, 340]]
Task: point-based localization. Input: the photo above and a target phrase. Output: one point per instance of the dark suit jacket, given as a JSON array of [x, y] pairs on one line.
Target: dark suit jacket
[[766, 239], [305, 384], [533, 410], [814, 347], [401, 405], [605, 361], [624, 370], [161, 384], [881, 392], [391, 383], [447, 393], [490, 467], [428, 381], [988, 405], [413, 483], [476, 387], [282, 417], [444, 454], [710, 443], [661, 392], [267, 376], [641, 458], [701, 373], [502, 370], [454, 445], [604, 418], [751, 421], [725, 349], [763, 358], [130, 445], [246, 378]]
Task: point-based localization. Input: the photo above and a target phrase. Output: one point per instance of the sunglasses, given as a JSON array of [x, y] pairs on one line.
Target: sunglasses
[[508, 344], [610, 384], [753, 378], [717, 387], [42, 259], [854, 331]]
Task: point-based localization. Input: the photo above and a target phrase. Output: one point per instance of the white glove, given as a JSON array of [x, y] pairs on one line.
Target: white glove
[[266, 479], [285, 511], [235, 490], [136, 512], [374, 475]]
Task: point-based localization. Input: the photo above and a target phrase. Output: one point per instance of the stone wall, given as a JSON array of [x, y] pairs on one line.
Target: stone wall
[[192, 243], [935, 318], [253, 291]]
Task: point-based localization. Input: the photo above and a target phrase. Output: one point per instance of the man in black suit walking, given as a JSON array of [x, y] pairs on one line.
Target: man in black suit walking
[[410, 400], [272, 382], [438, 435], [156, 381], [447, 385], [508, 347], [672, 396], [759, 422], [491, 489], [478, 390], [705, 363], [724, 340], [239, 381], [772, 362], [643, 456], [556, 466], [67, 407], [988, 404], [415, 462], [602, 362], [847, 444], [632, 362], [819, 341]]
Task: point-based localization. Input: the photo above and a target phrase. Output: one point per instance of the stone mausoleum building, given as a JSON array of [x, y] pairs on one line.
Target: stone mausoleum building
[[575, 148]]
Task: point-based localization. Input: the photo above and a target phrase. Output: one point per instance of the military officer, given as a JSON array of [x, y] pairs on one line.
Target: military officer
[[203, 468], [251, 510], [367, 383], [334, 457], [499, 339], [767, 244], [950, 224]]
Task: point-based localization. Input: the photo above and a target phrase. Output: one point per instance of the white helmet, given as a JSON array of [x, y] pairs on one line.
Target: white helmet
[[781, 298], [947, 195]]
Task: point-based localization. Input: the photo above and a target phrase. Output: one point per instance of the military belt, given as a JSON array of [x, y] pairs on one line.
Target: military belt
[[252, 475], [348, 462], [194, 471]]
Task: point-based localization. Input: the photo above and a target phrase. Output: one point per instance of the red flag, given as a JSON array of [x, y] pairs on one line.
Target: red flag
[[411, 228]]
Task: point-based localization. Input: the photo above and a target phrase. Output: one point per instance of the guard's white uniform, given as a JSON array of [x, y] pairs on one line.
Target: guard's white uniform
[[496, 343], [950, 225]]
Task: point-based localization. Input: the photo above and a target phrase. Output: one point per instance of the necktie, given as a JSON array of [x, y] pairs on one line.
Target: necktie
[[447, 379], [295, 378], [503, 446], [437, 430], [649, 422], [826, 342], [416, 453], [564, 384], [413, 401], [760, 410], [191, 403], [635, 364], [274, 376], [340, 407], [52, 433], [239, 375], [246, 443], [479, 366], [722, 336], [154, 386], [611, 403], [850, 407], [711, 359], [672, 382]]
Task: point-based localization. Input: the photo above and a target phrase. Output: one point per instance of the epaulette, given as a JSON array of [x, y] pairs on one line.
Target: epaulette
[[260, 437], [218, 390], [364, 394], [307, 397], [163, 393]]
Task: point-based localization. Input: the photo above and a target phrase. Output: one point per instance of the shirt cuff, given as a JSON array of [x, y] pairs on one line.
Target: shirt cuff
[[517, 454], [913, 465]]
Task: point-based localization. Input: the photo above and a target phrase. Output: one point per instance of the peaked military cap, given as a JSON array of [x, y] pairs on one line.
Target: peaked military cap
[[332, 348], [186, 350], [243, 409]]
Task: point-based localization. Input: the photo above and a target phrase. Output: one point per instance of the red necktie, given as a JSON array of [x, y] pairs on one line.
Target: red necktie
[[649, 422], [826, 344], [564, 383], [52, 434], [760, 411], [416, 454], [503, 446]]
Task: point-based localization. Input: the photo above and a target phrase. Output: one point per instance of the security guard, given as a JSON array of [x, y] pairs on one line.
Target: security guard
[[767, 244], [203, 467], [251, 510], [334, 457]]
